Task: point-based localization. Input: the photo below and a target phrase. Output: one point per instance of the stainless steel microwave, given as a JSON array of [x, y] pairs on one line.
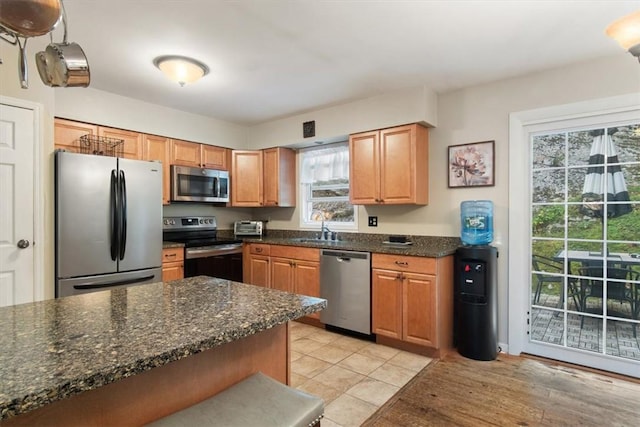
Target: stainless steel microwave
[[199, 185]]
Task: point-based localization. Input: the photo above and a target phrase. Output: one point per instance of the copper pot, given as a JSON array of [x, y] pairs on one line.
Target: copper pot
[[27, 18]]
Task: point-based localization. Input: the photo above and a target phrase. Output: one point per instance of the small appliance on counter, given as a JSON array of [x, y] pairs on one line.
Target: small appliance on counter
[[247, 228]]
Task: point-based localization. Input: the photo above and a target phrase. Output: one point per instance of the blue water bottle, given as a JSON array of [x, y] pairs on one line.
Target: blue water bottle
[[476, 221]]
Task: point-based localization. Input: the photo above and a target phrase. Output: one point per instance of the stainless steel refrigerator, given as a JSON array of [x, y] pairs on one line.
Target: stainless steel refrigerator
[[108, 214]]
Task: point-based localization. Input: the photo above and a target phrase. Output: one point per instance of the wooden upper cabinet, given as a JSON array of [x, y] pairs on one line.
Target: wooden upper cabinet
[[390, 166], [67, 134], [214, 157], [263, 177], [364, 170], [158, 148], [246, 178], [185, 153], [279, 177], [132, 141]]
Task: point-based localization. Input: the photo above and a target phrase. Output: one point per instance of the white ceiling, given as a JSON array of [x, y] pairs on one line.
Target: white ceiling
[[272, 59]]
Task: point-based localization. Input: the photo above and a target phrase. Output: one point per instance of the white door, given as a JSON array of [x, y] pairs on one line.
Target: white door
[[17, 141]]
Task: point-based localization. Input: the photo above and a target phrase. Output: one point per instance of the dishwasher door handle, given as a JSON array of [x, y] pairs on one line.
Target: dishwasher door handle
[[342, 259]]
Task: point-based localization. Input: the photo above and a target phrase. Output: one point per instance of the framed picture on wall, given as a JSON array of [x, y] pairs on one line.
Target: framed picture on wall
[[471, 165]]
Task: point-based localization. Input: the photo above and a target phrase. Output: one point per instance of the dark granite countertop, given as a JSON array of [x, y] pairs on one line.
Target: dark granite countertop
[[54, 349], [169, 245], [426, 246]]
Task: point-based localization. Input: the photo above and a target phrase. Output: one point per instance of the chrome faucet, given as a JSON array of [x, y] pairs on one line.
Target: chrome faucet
[[324, 231]]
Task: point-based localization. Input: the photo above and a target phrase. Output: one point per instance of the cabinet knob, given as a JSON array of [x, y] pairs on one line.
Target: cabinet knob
[[259, 250]]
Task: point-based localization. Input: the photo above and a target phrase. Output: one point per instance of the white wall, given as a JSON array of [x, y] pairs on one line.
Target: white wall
[[104, 108], [411, 105], [482, 113]]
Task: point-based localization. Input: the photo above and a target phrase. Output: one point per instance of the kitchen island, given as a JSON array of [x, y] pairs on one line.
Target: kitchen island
[[131, 355]]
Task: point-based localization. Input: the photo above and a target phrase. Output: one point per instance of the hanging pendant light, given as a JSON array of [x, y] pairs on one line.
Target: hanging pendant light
[[181, 69], [626, 31]]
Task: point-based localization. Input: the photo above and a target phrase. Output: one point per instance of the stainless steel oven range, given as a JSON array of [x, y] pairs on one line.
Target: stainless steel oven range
[[204, 253]]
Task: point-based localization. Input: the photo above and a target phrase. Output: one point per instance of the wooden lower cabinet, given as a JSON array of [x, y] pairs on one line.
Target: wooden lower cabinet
[[412, 299], [172, 264], [286, 268], [256, 264]]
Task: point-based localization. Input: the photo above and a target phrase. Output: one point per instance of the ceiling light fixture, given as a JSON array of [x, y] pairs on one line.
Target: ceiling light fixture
[[626, 31], [181, 69]]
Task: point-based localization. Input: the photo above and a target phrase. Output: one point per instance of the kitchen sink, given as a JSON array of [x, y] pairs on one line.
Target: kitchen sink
[[313, 240]]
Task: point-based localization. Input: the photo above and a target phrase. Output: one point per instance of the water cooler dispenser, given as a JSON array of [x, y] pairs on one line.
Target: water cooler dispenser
[[475, 284]]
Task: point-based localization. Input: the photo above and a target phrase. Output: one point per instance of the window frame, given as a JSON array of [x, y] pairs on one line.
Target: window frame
[[306, 198]]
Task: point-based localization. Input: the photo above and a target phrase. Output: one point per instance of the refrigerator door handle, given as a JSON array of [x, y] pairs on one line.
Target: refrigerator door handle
[[115, 220], [115, 283], [123, 215]]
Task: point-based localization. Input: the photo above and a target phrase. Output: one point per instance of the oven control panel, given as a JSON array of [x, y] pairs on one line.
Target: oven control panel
[[189, 223]]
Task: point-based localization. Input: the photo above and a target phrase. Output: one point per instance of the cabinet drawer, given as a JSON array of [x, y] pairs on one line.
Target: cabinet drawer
[[295, 252], [404, 263], [259, 249], [172, 255]]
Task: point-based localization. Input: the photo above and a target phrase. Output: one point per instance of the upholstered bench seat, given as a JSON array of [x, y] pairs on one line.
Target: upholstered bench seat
[[255, 401]]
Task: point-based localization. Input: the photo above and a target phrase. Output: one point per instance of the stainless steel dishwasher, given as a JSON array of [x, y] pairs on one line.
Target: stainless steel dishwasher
[[345, 282]]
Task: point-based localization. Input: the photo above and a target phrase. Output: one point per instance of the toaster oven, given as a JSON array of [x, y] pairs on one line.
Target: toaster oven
[[248, 228]]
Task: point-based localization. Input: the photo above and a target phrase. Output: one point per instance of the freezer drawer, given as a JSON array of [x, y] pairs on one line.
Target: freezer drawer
[[106, 282]]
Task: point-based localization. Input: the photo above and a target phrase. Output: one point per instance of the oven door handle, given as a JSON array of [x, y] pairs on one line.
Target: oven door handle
[[193, 253]]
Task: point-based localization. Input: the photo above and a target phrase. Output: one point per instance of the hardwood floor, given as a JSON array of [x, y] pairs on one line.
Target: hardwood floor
[[510, 391]]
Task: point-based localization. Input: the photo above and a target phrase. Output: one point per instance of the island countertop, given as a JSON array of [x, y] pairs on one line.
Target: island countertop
[[58, 348]]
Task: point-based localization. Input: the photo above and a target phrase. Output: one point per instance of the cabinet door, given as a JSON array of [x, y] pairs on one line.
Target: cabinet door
[[259, 271], [172, 271], [67, 134], [419, 309], [364, 181], [185, 153], [279, 177], [307, 280], [157, 148], [397, 171], [404, 157], [214, 157], [132, 141], [282, 274], [387, 303], [246, 178]]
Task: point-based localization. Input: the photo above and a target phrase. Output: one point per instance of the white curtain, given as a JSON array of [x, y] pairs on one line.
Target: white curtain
[[325, 164]]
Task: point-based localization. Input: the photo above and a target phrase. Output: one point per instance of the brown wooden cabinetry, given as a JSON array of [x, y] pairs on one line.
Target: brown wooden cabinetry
[[297, 270], [256, 265], [132, 141], [157, 148], [172, 264], [67, 134], [185, 153], [389, 166], [412, 299], [263, 178]]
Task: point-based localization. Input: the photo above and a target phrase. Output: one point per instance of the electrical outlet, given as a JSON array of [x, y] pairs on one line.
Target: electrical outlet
[[373, 221]]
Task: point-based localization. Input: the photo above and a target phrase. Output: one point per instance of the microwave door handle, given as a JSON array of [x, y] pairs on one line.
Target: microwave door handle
[[216, 187]]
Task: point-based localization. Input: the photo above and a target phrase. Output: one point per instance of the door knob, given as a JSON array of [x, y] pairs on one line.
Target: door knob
[[22, 244]]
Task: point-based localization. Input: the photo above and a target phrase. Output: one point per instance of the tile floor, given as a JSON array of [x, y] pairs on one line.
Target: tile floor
[[353, 376]]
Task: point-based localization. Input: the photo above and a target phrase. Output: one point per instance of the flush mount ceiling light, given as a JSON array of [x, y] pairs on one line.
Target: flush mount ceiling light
[[626, 31], [181, 69]]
